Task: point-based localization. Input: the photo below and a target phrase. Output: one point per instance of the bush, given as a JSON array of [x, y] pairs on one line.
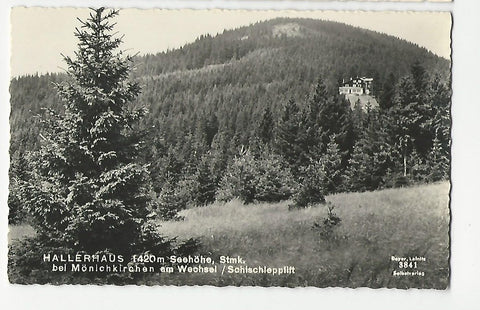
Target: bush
[[250, 179], [401, 181], [238, 181], [273, 180], [311, 190], [170, 202], [327, 225]]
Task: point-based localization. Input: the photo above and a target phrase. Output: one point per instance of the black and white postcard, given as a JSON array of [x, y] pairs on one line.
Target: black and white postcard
[[230, 148]]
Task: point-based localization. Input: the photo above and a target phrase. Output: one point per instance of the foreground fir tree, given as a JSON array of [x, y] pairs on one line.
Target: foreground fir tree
[[86, 191]]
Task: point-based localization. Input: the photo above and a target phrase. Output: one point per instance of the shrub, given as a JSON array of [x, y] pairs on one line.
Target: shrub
[[170, 202], [310, 190], [273, 179], [328, 224], [238, 181], [250, 179]]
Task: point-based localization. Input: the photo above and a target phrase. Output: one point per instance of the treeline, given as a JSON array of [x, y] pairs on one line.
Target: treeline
[[312, 149]]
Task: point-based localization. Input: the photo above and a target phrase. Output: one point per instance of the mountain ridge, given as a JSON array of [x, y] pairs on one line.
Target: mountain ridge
[[249, 38]]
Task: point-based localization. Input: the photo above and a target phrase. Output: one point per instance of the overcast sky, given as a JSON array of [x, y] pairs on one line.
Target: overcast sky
[[39, 35]]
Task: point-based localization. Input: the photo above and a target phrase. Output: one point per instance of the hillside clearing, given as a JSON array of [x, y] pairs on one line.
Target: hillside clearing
[[288, 29], [365, 100]]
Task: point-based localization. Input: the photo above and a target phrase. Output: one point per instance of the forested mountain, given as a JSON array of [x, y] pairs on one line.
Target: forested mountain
[[230, 92], [242, 71]]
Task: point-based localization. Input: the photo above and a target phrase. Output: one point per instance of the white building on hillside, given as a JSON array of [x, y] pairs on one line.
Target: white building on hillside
[[358, 86]]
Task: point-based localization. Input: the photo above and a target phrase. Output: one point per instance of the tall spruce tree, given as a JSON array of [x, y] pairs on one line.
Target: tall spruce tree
[[86, 190], [332, 167], [314, 133], [205, 183], [372, 156], [439, 98], [412, 115], [387, 94], [288, 137], [331, 115], [438, 162], [265, 129]]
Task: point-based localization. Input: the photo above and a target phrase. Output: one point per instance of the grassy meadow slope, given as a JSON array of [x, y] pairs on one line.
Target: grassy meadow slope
[[404, 222], [375, 226]]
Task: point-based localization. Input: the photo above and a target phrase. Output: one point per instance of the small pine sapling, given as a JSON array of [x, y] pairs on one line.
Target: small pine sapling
[[327, 225]]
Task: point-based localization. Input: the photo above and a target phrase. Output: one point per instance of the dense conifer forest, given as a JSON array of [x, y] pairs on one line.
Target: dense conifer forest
[[254, 113]]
